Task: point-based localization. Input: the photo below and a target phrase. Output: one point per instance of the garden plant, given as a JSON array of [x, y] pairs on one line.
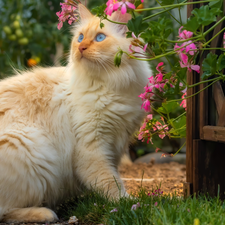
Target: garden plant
[[165, 93]]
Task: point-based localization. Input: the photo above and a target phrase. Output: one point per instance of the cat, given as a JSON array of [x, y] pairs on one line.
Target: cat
[[64, 129]]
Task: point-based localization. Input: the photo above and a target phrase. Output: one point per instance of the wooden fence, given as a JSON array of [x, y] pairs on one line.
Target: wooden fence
[[205, 156]]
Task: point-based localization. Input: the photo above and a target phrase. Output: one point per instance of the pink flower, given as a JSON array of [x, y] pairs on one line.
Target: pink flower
[[146, 105], [224, 40], [184, 63], [184, 102], [159, 65], [150, 116], [126, 4], [135, 206], [112, 5], [185, 34], [156, 203], [190, 48], [67, 13], [114, 210]]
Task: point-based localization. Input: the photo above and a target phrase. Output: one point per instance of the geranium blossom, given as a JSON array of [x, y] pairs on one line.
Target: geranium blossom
[[67, 13], [126, 4], [187, 48], [184, 34], [112, 5]]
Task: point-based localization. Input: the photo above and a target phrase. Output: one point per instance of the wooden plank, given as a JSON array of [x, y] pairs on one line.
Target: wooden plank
[[189, 129], [187, 189], [198, 165], [203, 106], [214, 133], [191, 119], [218, 96], [221, 120]]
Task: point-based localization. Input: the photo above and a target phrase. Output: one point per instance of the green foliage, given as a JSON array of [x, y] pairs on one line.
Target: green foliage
[[211, 65], [29, 31], [206, 15], [137, 25], [99, 10]]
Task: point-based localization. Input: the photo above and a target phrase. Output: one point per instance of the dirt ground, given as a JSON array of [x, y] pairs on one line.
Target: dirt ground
[[169, 177]]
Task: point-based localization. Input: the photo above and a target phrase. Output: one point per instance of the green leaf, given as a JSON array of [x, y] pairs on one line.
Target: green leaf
[[137, 25], [161, 110], [209, 65], [216, 4], [205, 15], [180, 126], [170, 106], [221, 62], [99, 10], [192, 24]]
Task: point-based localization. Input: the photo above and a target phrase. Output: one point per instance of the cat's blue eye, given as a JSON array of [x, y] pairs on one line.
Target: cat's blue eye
[[100, 37], [80, 38]]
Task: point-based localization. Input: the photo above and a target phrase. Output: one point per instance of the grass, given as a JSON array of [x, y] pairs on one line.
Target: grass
[[94, 208]]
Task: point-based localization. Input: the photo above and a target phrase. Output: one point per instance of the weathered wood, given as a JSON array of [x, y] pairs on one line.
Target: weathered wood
[[221, 120], [203, 106], [198, 165], [191, 118], [214, 133], [187, 189], [218, 96]]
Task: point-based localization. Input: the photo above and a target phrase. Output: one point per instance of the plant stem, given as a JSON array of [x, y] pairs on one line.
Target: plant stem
[[174, 5], [169, 13], [180, 148], [201, 82], [114, 21], [213, 37], [158, 13], [180, 16], [211, 28], [175, 100], [185, 40]]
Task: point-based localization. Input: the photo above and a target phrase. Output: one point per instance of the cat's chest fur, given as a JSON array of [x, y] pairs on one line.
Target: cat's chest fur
[[105, 116]]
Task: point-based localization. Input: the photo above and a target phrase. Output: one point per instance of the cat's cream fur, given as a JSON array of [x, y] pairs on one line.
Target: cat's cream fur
[[65, 128]]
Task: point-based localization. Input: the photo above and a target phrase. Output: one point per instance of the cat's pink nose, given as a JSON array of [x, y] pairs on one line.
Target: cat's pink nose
[[82, 48]]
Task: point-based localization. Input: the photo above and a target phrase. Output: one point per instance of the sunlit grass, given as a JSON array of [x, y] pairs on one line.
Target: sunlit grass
[[95, 208]]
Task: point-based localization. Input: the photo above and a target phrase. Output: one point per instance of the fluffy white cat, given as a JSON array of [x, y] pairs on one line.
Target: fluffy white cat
[[65, 128]]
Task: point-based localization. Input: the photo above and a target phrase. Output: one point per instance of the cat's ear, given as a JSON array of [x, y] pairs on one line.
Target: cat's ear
[[84, 12], [122, 18]]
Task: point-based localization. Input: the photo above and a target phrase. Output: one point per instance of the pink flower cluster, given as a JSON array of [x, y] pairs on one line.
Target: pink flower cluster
[[156, 82], [67, 13], [150, 126], [188, 48], [114, 5]]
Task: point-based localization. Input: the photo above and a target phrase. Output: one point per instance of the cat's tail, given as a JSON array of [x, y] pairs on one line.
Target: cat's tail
[[32, 214]]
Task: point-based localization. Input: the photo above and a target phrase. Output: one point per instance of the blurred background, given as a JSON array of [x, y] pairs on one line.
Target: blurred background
[[29, 37]]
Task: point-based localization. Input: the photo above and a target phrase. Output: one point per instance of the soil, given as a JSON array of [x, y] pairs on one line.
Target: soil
[[169, 177]]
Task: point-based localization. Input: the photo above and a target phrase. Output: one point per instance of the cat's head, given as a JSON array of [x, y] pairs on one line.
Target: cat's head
[[93, 48]]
